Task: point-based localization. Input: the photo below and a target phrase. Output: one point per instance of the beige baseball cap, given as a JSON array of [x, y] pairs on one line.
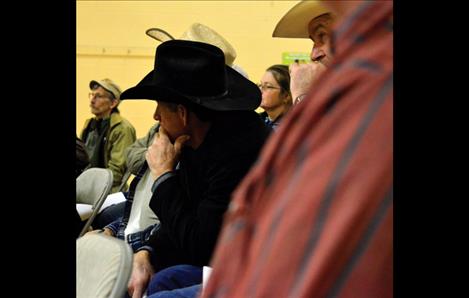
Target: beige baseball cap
[[108, 85], [201, 33]]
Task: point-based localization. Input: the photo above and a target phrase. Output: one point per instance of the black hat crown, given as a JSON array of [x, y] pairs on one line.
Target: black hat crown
[[196, 72]]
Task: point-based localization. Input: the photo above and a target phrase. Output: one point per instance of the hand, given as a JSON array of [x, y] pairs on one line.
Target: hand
[[141, 274], [105, 231], [162, 155], [108, 232], [302, 77]]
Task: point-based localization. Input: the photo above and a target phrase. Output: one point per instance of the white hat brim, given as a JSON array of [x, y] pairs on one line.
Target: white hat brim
[[294, 24], [159, 34]]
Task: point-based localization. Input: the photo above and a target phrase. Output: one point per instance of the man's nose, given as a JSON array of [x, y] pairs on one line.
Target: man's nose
[[316, 53]]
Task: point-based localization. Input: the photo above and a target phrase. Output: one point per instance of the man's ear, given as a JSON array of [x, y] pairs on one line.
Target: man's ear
[[114, 103], [183, 114]]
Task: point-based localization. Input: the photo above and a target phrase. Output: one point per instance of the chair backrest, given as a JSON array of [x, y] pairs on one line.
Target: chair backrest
[[104, 265], [93, 186]]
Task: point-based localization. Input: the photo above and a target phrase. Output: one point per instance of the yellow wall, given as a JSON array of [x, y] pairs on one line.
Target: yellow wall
[[111, 42]]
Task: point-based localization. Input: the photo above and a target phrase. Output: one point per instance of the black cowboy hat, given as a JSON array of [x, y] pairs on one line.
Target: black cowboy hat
[[195, 72]]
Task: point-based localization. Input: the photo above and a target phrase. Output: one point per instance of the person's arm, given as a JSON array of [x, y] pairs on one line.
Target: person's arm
[[195, 231], [119, 140], [105, 231], [112, 228], [135, 153], [191, 230], [83, 159], [142, 270]]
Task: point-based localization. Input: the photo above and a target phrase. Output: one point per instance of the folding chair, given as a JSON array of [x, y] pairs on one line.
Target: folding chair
[[93, 186], [104, 265]]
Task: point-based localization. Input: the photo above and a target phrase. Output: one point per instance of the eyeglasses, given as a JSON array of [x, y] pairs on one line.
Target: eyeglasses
[[267, 87], [92, 95]]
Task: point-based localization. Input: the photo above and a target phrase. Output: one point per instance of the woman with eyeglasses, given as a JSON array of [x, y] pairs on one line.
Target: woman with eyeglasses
[[276, 96]]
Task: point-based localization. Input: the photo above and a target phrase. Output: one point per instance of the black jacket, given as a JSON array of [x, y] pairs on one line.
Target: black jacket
[[191, 203], [82, 157]]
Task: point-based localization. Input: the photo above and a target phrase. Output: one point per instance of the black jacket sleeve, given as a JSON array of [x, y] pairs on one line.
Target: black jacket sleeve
[[189, 231]]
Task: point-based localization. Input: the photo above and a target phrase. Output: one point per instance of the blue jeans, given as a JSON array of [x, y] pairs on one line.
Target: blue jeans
[[175, 277], [108, 215], [187, 292]]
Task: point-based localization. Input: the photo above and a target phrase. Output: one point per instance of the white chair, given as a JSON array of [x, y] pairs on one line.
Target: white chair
[[104, 265], [93, 186]]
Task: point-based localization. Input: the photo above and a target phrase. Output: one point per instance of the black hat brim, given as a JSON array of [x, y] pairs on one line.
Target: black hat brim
[[242, 93]]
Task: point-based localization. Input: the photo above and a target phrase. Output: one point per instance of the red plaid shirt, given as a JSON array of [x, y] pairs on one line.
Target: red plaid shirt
[[314, 217]]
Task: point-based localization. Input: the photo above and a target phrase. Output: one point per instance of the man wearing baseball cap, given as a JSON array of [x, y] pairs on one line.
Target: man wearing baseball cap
[[108, 133]]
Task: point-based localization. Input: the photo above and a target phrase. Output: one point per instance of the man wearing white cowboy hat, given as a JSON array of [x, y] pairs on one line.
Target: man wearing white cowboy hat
[[314, 216], [307, 19], [208, 139]]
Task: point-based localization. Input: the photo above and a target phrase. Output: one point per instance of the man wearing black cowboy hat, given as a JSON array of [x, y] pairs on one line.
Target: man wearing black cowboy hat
[[208, 139]]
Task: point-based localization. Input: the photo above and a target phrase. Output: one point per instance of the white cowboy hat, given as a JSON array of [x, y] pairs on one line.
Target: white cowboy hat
[[159, 34], [201, 33], [294, 24]]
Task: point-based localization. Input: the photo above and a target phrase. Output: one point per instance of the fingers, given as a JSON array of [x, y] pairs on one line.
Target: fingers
[[148, 156], [130, 287], [137, 293], [162, 132], [133, 287], [180, 142], [293, 66]]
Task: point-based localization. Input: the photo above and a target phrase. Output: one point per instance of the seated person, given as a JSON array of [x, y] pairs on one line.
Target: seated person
[[314, 217], [135, 153], [276, 96], [108, 133], [209, 137], [132, 219]]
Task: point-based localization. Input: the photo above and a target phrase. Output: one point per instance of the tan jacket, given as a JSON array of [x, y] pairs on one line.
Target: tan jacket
[[120, 135]]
